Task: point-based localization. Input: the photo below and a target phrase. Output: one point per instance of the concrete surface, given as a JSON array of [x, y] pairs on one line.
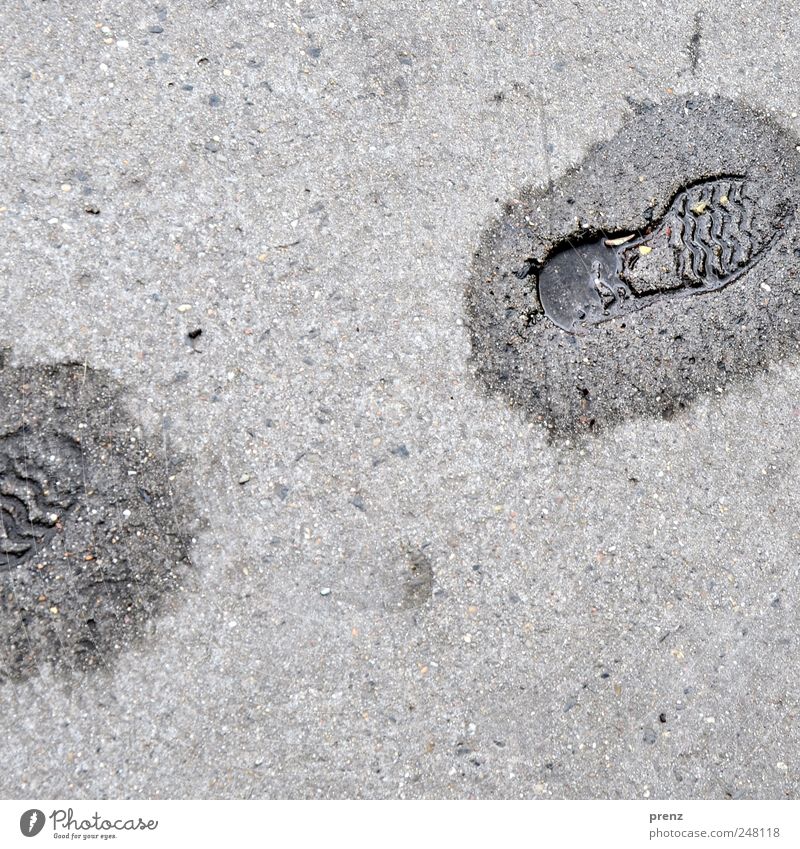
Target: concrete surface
[[413, 594]]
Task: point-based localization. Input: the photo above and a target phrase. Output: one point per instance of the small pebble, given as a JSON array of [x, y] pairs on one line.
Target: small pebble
[[325, 591], [244, 478]]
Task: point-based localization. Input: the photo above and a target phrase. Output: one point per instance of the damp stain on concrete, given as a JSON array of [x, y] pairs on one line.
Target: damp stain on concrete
[[662, 268], [92, 539]]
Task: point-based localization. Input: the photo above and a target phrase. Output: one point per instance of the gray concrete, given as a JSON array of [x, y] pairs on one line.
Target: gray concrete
[[313, 203]]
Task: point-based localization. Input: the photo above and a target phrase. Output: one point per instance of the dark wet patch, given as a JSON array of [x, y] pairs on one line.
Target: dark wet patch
[[91, 543], [405, 580], [418, 582], [660, 269]]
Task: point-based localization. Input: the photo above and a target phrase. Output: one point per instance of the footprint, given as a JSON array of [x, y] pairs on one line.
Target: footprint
[[94, 540], [706, 241], [661, 269]]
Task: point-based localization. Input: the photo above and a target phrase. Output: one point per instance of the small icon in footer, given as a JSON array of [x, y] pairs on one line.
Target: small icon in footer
[[31, 822]]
